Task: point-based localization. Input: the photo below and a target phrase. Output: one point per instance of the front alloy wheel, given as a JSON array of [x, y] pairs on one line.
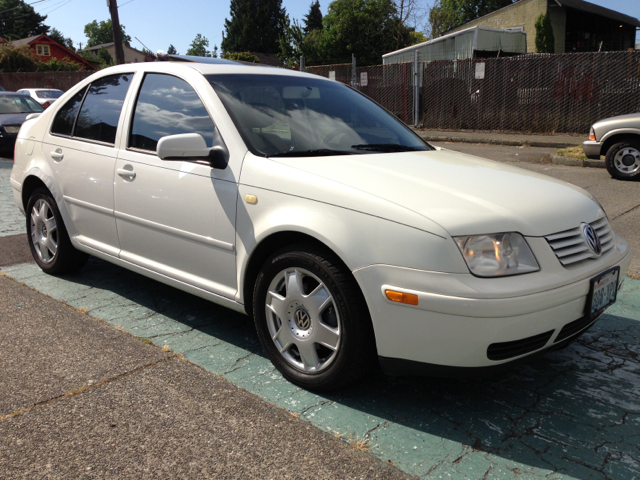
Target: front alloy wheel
[[312, 319], [302, 319]]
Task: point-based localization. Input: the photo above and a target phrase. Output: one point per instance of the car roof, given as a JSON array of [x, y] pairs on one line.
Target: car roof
[[204, 69], [11, 94]]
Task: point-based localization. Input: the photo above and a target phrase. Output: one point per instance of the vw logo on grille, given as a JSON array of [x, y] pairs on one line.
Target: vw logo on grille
[[591, 239], [303, 320]]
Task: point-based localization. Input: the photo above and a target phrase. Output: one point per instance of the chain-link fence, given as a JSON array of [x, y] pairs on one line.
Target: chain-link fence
[[541, 93], [536, 93]]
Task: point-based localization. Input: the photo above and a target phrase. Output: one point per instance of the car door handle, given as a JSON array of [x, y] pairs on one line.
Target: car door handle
[[123, 172], [57, 155]]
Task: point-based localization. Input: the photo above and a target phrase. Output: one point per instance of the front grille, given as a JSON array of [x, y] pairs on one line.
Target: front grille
[[574, 327], [502, 351], [12, 128], [570, 246]]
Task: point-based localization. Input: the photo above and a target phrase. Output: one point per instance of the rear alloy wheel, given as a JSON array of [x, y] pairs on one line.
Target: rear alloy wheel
[[48, 238], [312, 319], [623, 160]]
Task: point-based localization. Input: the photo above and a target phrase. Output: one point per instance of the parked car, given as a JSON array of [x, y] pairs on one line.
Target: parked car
[[14, 110], [44, 96], [297, 200], [619, 139]]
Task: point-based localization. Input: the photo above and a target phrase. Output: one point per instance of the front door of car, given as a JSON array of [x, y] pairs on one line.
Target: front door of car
[[81, 149], [175, 218]]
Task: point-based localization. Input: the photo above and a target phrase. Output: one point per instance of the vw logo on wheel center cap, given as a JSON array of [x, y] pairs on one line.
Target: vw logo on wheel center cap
[[591, 239], [302, 319]]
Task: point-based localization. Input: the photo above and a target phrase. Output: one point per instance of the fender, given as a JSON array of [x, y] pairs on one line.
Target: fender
[[620, 131], [42, 170]]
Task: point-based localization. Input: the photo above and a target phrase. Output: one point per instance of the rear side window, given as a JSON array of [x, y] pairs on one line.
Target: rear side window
[[100, 111], [168, 106], [66, 116]]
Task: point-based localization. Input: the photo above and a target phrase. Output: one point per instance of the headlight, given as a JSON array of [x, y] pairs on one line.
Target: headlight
[[497, 255]]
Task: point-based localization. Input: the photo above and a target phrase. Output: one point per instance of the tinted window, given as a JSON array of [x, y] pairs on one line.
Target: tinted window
[[49, 93], [98, 117], [63, 123], [168, 106]]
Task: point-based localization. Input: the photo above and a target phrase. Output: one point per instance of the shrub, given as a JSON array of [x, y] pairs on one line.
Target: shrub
[[241, 56], [545, 41]]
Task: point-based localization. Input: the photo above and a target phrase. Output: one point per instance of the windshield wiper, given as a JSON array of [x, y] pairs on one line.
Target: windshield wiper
[[319, 152], [385, 147]]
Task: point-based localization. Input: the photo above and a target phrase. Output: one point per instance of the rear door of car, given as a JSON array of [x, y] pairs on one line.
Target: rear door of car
[[175, 218], [81, 149]]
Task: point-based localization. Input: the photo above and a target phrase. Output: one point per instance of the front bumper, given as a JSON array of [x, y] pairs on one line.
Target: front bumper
[[450, 330], [592, 149]]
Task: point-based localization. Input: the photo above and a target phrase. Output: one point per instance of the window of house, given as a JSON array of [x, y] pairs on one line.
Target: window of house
[[43, 50], [168, 106], [100, 111]]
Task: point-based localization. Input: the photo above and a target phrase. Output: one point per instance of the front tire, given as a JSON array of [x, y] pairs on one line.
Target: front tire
[[48, 238], [623, 160], [312, 319]]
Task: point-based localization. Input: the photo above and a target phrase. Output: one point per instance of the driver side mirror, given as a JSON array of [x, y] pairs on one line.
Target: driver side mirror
[[189, 147]]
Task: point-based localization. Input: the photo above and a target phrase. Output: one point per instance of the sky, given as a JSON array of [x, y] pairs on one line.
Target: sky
[[159, 23]]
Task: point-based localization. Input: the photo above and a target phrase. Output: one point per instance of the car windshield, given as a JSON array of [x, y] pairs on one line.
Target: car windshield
[[49, 93], [10, 104], [280, 115]]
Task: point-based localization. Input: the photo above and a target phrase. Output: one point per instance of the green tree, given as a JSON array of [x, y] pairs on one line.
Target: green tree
[[198, 47], [19, 20], [292, 43], [57, 35], [242, 56], [100, 59], [99, 33], [255, 26], [545, 40], [214, 52], [446, 15], [313, 19], [366, 28], [172, 50]]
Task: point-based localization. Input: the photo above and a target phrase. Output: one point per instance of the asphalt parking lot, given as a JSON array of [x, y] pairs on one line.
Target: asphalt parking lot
[[575, 413]]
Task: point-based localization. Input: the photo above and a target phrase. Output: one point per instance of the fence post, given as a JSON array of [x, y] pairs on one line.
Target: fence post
[[302, 63], [353, 70], [416, 89]]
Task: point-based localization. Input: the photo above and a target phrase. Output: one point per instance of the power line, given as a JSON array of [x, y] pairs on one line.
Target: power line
[[21, 5], [126, 3]]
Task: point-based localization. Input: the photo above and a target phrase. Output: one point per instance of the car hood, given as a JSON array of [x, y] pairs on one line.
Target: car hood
[[13, 118], [462, 193]]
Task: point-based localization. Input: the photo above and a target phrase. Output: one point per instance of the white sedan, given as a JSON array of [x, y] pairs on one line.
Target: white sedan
[[295, 199], [44, 96]]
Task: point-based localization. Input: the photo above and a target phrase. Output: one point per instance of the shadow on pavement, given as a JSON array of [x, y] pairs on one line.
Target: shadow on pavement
[[575, 411]]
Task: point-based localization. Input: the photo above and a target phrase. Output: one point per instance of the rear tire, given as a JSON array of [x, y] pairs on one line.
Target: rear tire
[[623, 160], [312, 319], [48, 238]]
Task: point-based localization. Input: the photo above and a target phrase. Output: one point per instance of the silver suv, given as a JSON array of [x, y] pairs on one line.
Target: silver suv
[[619, 139]]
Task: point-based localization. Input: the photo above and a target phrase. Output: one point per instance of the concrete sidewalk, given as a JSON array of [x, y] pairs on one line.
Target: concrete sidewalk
[[512, 139], [80, 399]]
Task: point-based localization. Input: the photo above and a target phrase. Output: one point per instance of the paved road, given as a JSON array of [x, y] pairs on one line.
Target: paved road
[[572, 414]]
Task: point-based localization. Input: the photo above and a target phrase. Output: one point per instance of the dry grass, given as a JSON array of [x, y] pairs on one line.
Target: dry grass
[[82, 310], [362, 444], [166, 348], [572, 152]]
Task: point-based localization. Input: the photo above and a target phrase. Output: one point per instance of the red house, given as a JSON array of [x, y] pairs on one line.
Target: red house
[[46, 49]]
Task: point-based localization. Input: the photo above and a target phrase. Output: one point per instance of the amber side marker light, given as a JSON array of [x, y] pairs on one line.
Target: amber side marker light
[[592, 136], [400, 297]]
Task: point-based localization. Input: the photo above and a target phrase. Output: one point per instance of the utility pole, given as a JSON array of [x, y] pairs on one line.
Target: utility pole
[[117, 32]]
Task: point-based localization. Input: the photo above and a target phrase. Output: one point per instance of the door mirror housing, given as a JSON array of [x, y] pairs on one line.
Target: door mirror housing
[[191, 147]]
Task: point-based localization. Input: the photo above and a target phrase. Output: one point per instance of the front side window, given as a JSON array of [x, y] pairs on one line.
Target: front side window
[[280, 115], [19, 104], [168, 106], [100, 111]]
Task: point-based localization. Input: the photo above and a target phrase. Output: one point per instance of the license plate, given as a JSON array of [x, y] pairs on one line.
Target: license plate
[[604, 289]]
